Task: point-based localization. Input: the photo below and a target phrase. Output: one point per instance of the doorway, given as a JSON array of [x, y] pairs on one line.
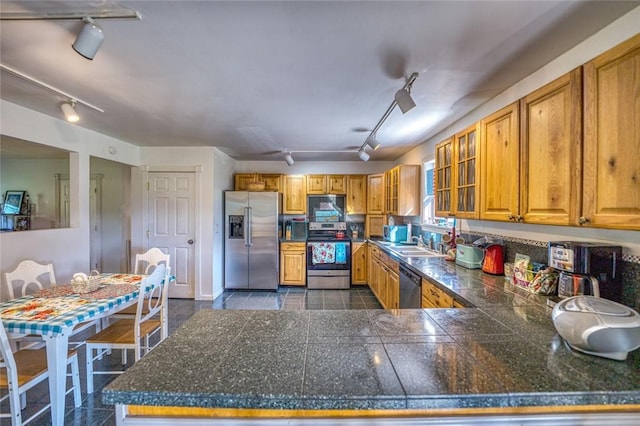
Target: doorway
[[171, 226]]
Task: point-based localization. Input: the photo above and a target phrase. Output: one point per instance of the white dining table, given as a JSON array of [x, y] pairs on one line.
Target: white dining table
[[31, 315]]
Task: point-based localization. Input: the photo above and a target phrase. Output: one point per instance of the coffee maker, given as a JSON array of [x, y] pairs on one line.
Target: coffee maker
[[587, 269]]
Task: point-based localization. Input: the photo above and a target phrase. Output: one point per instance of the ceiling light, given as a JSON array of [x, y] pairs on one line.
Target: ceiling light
[[363, 155], [69, 112], [288, 158], [89, 40], [403, 98], [372, 142]]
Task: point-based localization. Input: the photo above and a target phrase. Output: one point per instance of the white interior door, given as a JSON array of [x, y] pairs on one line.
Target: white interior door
[[171, 226]]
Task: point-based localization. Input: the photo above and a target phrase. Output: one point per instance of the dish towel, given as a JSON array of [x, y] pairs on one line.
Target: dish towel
[[324, 253]]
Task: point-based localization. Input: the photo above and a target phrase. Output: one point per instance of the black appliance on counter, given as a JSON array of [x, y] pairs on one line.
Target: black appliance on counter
[[587, 269]]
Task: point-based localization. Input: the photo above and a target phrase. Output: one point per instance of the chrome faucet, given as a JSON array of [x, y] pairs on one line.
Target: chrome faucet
[[420, 241]]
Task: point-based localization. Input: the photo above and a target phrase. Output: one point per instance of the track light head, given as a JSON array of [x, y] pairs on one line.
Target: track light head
[[363, 155], [404, 100], [372, 142], [89, 40], [288, 158], [69, 112]]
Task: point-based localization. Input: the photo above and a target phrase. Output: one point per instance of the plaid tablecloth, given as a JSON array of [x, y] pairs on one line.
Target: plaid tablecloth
[[55, 325]]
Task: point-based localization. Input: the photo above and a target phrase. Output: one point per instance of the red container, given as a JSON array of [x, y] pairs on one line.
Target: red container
[[493, 260]]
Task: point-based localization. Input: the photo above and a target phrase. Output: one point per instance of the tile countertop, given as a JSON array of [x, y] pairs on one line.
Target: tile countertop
[[502, 353]]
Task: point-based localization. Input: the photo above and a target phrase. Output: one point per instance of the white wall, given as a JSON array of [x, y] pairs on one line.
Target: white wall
[[67, 248], [619, 31], [224, 167]]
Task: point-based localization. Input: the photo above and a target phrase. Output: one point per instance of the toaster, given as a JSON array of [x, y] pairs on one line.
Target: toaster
[[469, 256]]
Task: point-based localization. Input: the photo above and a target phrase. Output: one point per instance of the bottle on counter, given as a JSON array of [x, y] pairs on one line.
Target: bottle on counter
[[287, 230]]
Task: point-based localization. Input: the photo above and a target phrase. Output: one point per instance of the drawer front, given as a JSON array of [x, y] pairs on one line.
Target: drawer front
[[293, 246]]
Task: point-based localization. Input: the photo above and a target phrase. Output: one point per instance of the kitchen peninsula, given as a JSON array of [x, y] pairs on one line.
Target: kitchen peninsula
[[501, 355]]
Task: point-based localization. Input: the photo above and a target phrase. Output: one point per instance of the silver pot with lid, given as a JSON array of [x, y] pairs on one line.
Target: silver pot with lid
[[597, 326]]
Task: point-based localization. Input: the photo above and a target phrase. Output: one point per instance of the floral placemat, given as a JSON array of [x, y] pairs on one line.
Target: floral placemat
[[122, 279], [54, 291], [109, 291], [42, 309]]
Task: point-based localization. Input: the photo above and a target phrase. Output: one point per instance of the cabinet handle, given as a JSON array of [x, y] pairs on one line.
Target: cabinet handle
[[583, 220], [451, 214], [511, 217], [519, 218]]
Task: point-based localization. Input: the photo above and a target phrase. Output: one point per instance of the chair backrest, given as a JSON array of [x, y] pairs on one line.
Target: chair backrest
[[153, 257], [152, 291], [29, 273]]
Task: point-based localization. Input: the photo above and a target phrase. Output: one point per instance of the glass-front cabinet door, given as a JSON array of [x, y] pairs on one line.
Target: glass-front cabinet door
[[466, 173], [443, 177]]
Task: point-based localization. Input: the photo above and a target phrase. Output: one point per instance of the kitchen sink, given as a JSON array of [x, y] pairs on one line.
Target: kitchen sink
[[414, 252]]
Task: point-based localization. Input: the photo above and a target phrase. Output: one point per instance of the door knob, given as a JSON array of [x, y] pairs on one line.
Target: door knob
[[190, 242]]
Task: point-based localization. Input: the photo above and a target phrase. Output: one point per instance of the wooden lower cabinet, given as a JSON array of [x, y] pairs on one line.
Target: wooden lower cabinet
[[359, 263], [384, 278], [293, 263], [434, 297]]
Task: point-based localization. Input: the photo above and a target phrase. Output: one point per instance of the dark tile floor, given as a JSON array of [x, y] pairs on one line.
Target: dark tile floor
[[93, 412]]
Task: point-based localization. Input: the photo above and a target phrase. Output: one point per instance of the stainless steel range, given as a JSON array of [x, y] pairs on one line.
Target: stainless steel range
[[328, 247]]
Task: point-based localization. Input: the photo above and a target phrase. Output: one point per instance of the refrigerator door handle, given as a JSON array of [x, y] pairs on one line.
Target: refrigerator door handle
[[248, 219]]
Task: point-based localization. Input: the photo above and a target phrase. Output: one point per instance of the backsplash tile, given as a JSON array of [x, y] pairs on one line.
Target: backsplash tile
[[537, 251]]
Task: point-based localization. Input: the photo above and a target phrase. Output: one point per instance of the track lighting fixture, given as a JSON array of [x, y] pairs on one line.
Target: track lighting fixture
[[68, 108], [372, 142], [89, 40], [403, 99], [288, 158]]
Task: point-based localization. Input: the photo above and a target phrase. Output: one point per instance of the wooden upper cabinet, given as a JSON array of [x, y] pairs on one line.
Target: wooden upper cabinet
[[551, 152], [295, 195], [443, 176], [466, 173], [499, 165], [375, 194], [611, 169], [356, 194], [336, 184], [402, 190], [242, 180], [316, 184], [272, 181]]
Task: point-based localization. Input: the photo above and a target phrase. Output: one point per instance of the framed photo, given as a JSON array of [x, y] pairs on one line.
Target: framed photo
[[13, 202]]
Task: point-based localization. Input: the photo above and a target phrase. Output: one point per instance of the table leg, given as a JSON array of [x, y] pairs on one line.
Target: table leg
[[57, 348]]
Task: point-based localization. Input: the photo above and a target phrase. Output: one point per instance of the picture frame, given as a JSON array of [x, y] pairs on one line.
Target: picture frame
[[13, 202]]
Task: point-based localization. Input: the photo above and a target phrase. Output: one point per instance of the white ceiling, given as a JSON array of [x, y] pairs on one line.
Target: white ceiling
[[256, 78]]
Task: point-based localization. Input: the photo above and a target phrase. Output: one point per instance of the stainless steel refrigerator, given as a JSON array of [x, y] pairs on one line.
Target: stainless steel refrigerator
[[251, 240]]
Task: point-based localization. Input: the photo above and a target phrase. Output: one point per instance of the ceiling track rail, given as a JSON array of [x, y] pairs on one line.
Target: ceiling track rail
[[49, 87], [58, 16]]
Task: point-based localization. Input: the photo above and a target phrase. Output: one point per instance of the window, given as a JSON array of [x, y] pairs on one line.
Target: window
[[428, 200]]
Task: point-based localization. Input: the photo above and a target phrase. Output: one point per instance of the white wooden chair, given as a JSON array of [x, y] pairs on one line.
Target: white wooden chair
[[28, 278], [129, 333], [24, 369], [152, 258]]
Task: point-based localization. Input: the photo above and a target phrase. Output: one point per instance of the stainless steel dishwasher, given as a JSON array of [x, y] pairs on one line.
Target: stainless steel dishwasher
[[410, 294]]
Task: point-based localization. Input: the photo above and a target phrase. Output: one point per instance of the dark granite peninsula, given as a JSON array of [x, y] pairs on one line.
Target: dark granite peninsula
[[501, 356]]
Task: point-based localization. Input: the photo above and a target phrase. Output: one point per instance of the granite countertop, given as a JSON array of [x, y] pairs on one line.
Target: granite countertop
[[503, 352]]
